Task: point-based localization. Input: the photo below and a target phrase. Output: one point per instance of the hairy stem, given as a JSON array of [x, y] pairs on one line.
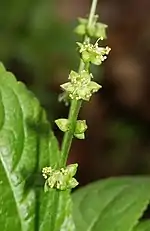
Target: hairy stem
[[75, 104]]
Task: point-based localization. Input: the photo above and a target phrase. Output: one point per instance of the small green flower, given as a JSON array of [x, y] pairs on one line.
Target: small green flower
[[81, 28], [72, 169], [100, 30], [46, 172], [80, 85], [81, 127], [63, 124], [93, 53], [96, 29], [60, 179]]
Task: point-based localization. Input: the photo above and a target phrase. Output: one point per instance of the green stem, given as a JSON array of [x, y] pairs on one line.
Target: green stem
[[75, 104], [68, 136], [92, 12]]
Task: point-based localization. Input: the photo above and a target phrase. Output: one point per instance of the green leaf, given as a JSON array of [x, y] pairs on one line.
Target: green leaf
[[27, 144], [114, 204], [143, 226]]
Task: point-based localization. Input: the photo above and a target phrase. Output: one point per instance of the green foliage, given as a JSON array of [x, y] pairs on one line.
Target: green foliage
[[142, 226], [27, 144], [112, 204]]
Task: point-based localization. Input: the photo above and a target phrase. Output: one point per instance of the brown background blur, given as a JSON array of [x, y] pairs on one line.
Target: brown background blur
[[37, 44]]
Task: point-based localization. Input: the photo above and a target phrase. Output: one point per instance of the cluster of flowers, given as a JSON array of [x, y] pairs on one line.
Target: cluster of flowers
[[79, 87], [60, 179]]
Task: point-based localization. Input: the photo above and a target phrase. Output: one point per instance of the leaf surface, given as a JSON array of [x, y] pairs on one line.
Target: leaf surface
[[114, 204], [27, 144], [143, 226]]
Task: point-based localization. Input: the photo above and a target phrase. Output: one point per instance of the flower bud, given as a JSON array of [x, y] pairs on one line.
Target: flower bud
[[63, 124]]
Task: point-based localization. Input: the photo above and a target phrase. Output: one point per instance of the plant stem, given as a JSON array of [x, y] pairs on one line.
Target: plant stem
[[92, 12], [68, 136], [75, 104]]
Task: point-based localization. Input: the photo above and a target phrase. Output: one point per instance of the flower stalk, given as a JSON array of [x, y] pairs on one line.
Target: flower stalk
[[80, 87], [75, 104]]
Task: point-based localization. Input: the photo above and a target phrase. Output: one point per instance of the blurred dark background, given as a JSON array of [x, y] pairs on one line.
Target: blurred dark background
[[37, 44]]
